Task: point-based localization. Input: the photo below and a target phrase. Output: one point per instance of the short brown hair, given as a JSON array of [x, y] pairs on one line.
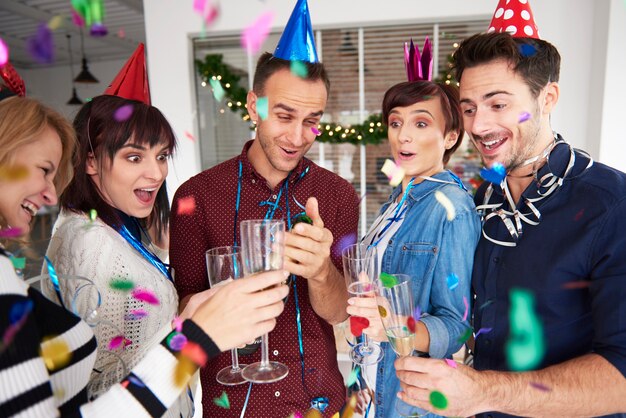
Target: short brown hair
[[268, 64], [411, 92], [537, 61]]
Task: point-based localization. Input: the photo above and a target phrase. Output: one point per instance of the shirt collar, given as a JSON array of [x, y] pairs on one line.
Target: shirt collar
[[249, 171], [426, 186]]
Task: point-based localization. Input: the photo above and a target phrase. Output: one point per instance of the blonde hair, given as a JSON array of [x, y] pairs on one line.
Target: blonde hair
[[22, 121]]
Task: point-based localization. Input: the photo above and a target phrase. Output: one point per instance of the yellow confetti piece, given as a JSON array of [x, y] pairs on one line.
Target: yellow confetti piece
[[394, 172], [382, 311], [183, 371], [446, 203], [336, 415], [348, 411], [313, 413], [13, 173], [55, 353], [56, 22]]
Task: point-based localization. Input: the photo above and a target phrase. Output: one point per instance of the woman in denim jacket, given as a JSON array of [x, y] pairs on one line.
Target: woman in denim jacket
[[428, 229]]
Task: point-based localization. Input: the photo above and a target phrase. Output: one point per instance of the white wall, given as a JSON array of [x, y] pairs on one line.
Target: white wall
[[53, 85], [569, 24]]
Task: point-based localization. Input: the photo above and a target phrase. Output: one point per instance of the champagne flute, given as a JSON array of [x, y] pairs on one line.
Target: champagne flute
[[262, 244], [223, 265], [360, 269], [395, 305]]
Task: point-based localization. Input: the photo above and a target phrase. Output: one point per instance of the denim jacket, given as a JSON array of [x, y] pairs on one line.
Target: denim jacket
[[428, 247]]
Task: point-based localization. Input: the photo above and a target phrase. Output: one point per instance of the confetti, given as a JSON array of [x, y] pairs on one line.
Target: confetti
[[540, 386], [222, 401], [453, 281], [447, 204], [262, 109], [77, 19], [190, 136], [13, 173], [135, 315], [93, 215], [298, 68], [348, 411], [136, 381], [56, 22], [301, 218], [186, 206], [315, 131], [183, 371], [465, 336], [417, 313], [482, 331], [354, 376], [484, 305], [123, 113], [344, 242], [208, 11], [388, 280], [578, 284], [4, 53], [176, 341], [527, 50], [451, 363], [382, 311], [18, 262], [121, 33], [313, 413], [177, 324], [525, 346], [495, 174], [41, 45], [10, 232], [410, 323], [55, 353], [218, 90], [19, 311], [523, 117], [253, 36], [195, 353], [466, 308], [358, 324], [117, 342], [122, 285], [145, 296], [393, 171], [438, 400], [579, 215]]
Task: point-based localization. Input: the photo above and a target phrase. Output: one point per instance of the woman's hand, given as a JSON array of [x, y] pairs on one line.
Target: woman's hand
[[242, 310], [367, 307]]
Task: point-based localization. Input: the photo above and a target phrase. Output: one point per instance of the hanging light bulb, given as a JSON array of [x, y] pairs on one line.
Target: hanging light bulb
[[74, 100], [85, 75]]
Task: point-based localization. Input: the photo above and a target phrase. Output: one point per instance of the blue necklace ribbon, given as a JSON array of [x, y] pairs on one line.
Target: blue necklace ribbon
[[147, 254]]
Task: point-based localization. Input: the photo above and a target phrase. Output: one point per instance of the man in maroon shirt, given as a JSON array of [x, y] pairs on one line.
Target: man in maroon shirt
[[272, 178]]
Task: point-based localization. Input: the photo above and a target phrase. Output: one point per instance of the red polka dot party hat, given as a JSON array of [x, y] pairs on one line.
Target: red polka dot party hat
[[516, 18]]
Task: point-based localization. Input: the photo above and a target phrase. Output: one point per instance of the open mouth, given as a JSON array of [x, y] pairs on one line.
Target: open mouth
[[145, 195], [289, 152], [405, 155], [30, 208], [493, 144]]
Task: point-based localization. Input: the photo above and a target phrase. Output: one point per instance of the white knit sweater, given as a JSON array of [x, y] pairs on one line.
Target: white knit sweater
[[94, 250]]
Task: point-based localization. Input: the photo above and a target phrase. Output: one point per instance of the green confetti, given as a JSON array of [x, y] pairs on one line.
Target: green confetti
[[18, 262], [218, 90], [93, 215], [468, 333], [525, 347], [222, 401], [438, 400], [122, 285], [354, 375], [262, 107], [388, 280], [299, 69]]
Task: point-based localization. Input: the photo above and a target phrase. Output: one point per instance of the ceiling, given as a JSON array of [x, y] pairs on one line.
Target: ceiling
[[19, 20]]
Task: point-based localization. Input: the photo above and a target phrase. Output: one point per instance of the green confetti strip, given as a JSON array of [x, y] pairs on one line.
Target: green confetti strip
[[525, 347], [354, 375], [388, 280], [122, 285], [18, 262], [262, 107], [438, 400], [222, 401], [299, 69]]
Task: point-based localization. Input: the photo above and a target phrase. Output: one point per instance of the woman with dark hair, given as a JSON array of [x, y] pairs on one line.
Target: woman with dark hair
[[428, 229], [46, 353]]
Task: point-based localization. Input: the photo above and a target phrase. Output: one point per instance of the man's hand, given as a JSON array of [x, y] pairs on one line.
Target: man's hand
[[460, 385], [307, 247]]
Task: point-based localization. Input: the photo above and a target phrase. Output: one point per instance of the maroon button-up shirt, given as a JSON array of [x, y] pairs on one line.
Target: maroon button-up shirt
[[211, 225]]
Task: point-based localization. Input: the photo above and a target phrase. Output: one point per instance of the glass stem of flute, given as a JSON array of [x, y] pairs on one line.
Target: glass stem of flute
[[365, 341], [265, 354], [235, 360]]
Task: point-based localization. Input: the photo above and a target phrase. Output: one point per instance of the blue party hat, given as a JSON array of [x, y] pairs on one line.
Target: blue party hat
[[297, 42]]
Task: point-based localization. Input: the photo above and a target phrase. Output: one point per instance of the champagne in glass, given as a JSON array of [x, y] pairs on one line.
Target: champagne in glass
[[223, 265], [263, 243], [360, 269]]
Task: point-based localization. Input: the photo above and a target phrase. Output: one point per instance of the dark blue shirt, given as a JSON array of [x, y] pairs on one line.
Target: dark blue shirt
[[574, 263]]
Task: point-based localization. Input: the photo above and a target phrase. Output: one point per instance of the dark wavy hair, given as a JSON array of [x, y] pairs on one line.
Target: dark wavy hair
[[268, 64], [98, 131], [410, 92]]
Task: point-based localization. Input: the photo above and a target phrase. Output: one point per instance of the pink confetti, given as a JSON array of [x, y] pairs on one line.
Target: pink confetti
[[10, 232], [186, 206], [4, 53], [466, 308], [524, 117], [540, 386], [118, 341], [579, 215], [578, 284], [205, 9], [254, 35], [199, 5], [190, 136], [451, 363], [121, 33], [145, 296], [136, 314], [177, 323], [123, 113], [315, 131], [77, 19]]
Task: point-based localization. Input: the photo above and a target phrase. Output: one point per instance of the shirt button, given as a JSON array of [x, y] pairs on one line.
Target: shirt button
[[274, 196], [277, 394], [275, 352], [253, 181]]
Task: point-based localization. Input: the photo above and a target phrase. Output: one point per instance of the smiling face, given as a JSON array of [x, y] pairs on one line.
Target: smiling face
[[417, 138], [130, 181], [294, 106], [496, 103], [21, 199]]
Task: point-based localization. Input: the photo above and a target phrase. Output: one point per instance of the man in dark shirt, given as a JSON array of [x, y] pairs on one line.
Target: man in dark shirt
[[272, 179], [550, 270]]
